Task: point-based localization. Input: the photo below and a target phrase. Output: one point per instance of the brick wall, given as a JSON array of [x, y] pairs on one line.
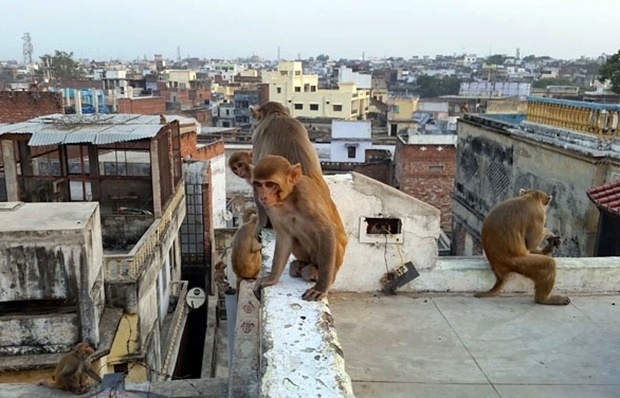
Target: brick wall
[[426, 172], [380, 171], [205, 152], [142, 106], [19, 106]]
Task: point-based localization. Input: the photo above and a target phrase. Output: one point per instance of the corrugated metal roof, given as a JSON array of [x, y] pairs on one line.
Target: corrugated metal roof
[[606, 196], [81, 129]]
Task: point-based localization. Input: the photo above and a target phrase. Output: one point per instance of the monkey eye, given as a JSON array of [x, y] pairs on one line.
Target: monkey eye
[[270, 184]]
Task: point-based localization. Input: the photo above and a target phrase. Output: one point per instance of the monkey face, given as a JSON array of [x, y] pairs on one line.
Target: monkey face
[[240, 169], [268, 192]]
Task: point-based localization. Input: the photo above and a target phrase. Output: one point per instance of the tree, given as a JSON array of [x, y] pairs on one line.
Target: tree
[[434, 86], [610, 70], [497, 59], [322, 57], [61, 66], [552, 81]]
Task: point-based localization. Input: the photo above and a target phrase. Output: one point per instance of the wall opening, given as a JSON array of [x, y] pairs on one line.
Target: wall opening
[[381, 230]]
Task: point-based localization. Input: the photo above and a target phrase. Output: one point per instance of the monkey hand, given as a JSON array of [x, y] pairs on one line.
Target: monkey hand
[[554, 241], [263, 282], [314, 294]]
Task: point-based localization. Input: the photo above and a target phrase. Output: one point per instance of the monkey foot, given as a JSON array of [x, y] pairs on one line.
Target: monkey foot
[[554, 300], [313, 295]]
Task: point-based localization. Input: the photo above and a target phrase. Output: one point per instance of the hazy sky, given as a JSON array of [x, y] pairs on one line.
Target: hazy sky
[[104, 29]]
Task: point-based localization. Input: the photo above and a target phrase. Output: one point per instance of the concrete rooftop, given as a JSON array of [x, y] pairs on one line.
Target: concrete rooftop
[[432, 346], [27, 217]]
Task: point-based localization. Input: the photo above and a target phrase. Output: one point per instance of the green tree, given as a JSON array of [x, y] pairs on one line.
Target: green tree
[[322, 57], [552, 81], [497, 59], [60, 66], [610, 70], [434, 86]]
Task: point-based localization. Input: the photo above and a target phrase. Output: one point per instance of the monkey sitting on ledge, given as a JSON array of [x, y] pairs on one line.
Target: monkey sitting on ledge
[[306, 223], [72, 369], [511, 234], [240, 163]]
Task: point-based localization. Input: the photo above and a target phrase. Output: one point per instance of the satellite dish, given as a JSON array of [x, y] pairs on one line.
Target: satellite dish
[[227, 215], [195, 298]]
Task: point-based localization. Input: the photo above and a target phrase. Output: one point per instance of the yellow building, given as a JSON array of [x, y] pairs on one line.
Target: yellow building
[[400, 113], [300, 93], [179, 78]]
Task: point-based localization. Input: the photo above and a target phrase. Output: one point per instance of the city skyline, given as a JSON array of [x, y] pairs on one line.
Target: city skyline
[[341, 29]]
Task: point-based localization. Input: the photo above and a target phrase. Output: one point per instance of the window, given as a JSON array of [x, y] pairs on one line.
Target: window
[[312, 88], [314, 107], [306, 88], [351, 152], [279, 90], [435, 167], [297, 89], [299, 106], [337, 108]]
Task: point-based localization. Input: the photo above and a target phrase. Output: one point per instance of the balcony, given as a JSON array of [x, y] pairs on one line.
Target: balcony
[[127, 267], [586, 117]]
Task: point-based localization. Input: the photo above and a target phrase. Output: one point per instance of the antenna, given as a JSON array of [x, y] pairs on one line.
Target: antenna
[[179, 53], [27, 52]]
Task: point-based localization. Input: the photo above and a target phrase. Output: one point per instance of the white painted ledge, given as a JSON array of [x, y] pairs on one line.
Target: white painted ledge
[[583, 275], [301, 354]]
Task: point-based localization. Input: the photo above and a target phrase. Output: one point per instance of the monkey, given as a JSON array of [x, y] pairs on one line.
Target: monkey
[[511, 234], [162, 119], [72, 369], [245, 254], [240, 163], [306, 223], [275, 132], [220, 278]]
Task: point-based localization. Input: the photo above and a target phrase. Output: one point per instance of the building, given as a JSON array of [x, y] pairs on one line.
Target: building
[[301, 95], [424, 167], [400, 113], [131, 166], [563, 148]]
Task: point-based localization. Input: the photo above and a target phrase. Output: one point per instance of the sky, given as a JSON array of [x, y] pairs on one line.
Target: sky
[[114, 29]]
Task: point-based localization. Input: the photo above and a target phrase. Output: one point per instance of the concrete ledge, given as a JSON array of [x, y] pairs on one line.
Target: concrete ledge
[[301, 354], [243, 376], [583, 275]]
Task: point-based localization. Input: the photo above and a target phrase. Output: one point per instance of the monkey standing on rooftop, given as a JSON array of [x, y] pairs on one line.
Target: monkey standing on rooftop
[[511, 234]]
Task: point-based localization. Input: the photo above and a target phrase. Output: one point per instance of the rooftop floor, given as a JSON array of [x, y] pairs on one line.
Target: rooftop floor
[[433, 346]]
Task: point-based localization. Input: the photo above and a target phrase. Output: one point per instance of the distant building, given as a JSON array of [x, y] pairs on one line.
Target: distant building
[[301, 95]]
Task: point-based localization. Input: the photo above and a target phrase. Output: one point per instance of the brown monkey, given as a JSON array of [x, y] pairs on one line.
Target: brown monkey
[[220, 278], [275, 132], [511, 234], [240, 163], [305, 221], [245, 253], [72, 369]]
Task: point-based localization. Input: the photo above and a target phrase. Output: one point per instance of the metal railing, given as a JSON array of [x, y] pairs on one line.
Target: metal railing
[[586, 117]]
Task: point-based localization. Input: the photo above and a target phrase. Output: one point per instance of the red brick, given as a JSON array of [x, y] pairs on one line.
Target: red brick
[[413, 170], [19, 106], [142, 106]]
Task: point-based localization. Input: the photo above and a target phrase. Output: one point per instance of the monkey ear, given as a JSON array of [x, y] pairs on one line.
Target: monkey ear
[[522, 192], [549, 198], [255, 111], [294, 173], [250, 154]]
